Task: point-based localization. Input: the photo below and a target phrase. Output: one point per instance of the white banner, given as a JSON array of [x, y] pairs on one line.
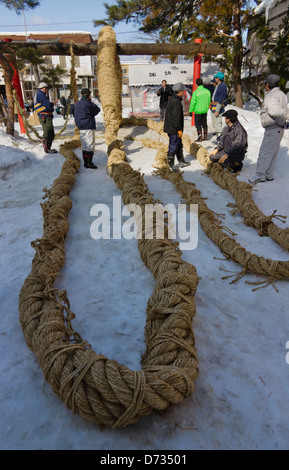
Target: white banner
[[154, 74]]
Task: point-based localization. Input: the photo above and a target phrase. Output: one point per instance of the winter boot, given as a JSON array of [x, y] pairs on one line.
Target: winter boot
[[90, 162], [85, 159], [44, 143], [205, 134], [182, 161], [49, 149], [199, 139], [171, 159]]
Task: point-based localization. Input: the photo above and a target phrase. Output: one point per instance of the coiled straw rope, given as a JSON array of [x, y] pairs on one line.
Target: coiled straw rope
[[99, 389], [240, 190], [210, 223]]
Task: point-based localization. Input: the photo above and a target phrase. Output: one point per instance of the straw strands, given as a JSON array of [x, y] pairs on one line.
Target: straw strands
[[272, 269], [99, 389]]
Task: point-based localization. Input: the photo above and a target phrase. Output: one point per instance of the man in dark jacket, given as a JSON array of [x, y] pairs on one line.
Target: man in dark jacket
[[219, 101], [174, 126], [233, 143], [44, 108], [84, 115], [164, 92], [63, 103]]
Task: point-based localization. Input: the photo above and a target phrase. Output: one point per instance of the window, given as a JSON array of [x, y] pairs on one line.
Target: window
[[62, 61]]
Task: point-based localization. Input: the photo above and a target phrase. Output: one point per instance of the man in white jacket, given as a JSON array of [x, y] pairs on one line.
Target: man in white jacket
[[273, 119]]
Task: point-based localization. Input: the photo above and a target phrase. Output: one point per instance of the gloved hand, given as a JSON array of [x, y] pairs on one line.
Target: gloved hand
[[191, 114], [180, 134]]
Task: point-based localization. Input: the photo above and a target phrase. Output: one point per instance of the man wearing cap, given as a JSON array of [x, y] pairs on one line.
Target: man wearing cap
[[233, 143], [273, 119], [84, 115], [174, 126], [44, 108], [219, 101]]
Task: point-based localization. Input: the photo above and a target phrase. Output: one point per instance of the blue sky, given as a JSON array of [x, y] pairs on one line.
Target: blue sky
[[64, 15]]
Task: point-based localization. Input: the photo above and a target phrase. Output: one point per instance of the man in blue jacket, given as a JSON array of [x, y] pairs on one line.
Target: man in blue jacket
[[219, 101], [44, 108], [84, 115]]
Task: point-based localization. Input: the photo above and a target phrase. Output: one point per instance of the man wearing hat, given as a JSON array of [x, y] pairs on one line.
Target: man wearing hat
[[273, 119], [44, 108], [84, 115], [219, 101], [233, 143], [174, 126]]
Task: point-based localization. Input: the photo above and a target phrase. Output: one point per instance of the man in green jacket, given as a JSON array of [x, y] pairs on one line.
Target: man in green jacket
[[199, 105]]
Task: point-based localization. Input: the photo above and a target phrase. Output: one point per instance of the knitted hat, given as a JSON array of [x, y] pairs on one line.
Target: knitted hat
[[42, 85], [178, 87], [231, 114]]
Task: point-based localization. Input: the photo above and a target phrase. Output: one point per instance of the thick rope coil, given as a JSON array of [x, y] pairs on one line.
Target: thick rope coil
[[99, 389], [212, 226]]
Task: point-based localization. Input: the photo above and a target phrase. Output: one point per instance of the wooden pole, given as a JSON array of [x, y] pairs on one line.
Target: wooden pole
[[122, 49]]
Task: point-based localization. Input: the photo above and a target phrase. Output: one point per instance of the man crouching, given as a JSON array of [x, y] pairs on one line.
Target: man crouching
[[233, 144]]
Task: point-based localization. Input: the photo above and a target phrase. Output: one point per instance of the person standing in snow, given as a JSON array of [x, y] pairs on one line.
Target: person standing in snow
[[219, 101], [164, 92], [200, 103], [84, 115], [233, 143], [273, 119], [44, 108], [63, 103], [174, 126]]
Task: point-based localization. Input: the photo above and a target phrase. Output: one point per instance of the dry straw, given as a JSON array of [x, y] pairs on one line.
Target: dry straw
[[272, 269], [99, 389]]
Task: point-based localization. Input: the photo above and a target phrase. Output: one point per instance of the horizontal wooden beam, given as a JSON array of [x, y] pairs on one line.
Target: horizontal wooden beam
[[61, 48]]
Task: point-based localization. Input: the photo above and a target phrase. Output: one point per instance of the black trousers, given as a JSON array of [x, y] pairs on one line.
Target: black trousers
[[234, 165], [201, 122]]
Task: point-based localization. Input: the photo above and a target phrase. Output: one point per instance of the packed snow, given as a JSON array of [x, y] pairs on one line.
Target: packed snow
[[240, 399]]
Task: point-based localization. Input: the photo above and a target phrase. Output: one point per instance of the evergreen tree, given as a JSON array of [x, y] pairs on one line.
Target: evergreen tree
[[52, 76], [182, 21], [19, 5]]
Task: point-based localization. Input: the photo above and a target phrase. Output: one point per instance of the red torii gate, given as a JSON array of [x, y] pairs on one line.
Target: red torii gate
[[197, 73]]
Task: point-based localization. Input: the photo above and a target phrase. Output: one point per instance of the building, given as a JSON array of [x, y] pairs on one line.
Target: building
[[274, 11], [255, 64], [85, 66]]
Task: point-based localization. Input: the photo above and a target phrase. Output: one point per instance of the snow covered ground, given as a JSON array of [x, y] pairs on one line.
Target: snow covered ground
[[241, 396]]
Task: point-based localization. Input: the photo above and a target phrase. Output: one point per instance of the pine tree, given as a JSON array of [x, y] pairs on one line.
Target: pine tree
[[182, 21]]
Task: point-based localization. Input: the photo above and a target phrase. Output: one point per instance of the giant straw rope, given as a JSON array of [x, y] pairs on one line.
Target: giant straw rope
[[97, 388], [272, 269]]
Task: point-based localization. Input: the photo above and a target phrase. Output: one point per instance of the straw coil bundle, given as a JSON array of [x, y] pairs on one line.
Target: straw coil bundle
[[102, 390]]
